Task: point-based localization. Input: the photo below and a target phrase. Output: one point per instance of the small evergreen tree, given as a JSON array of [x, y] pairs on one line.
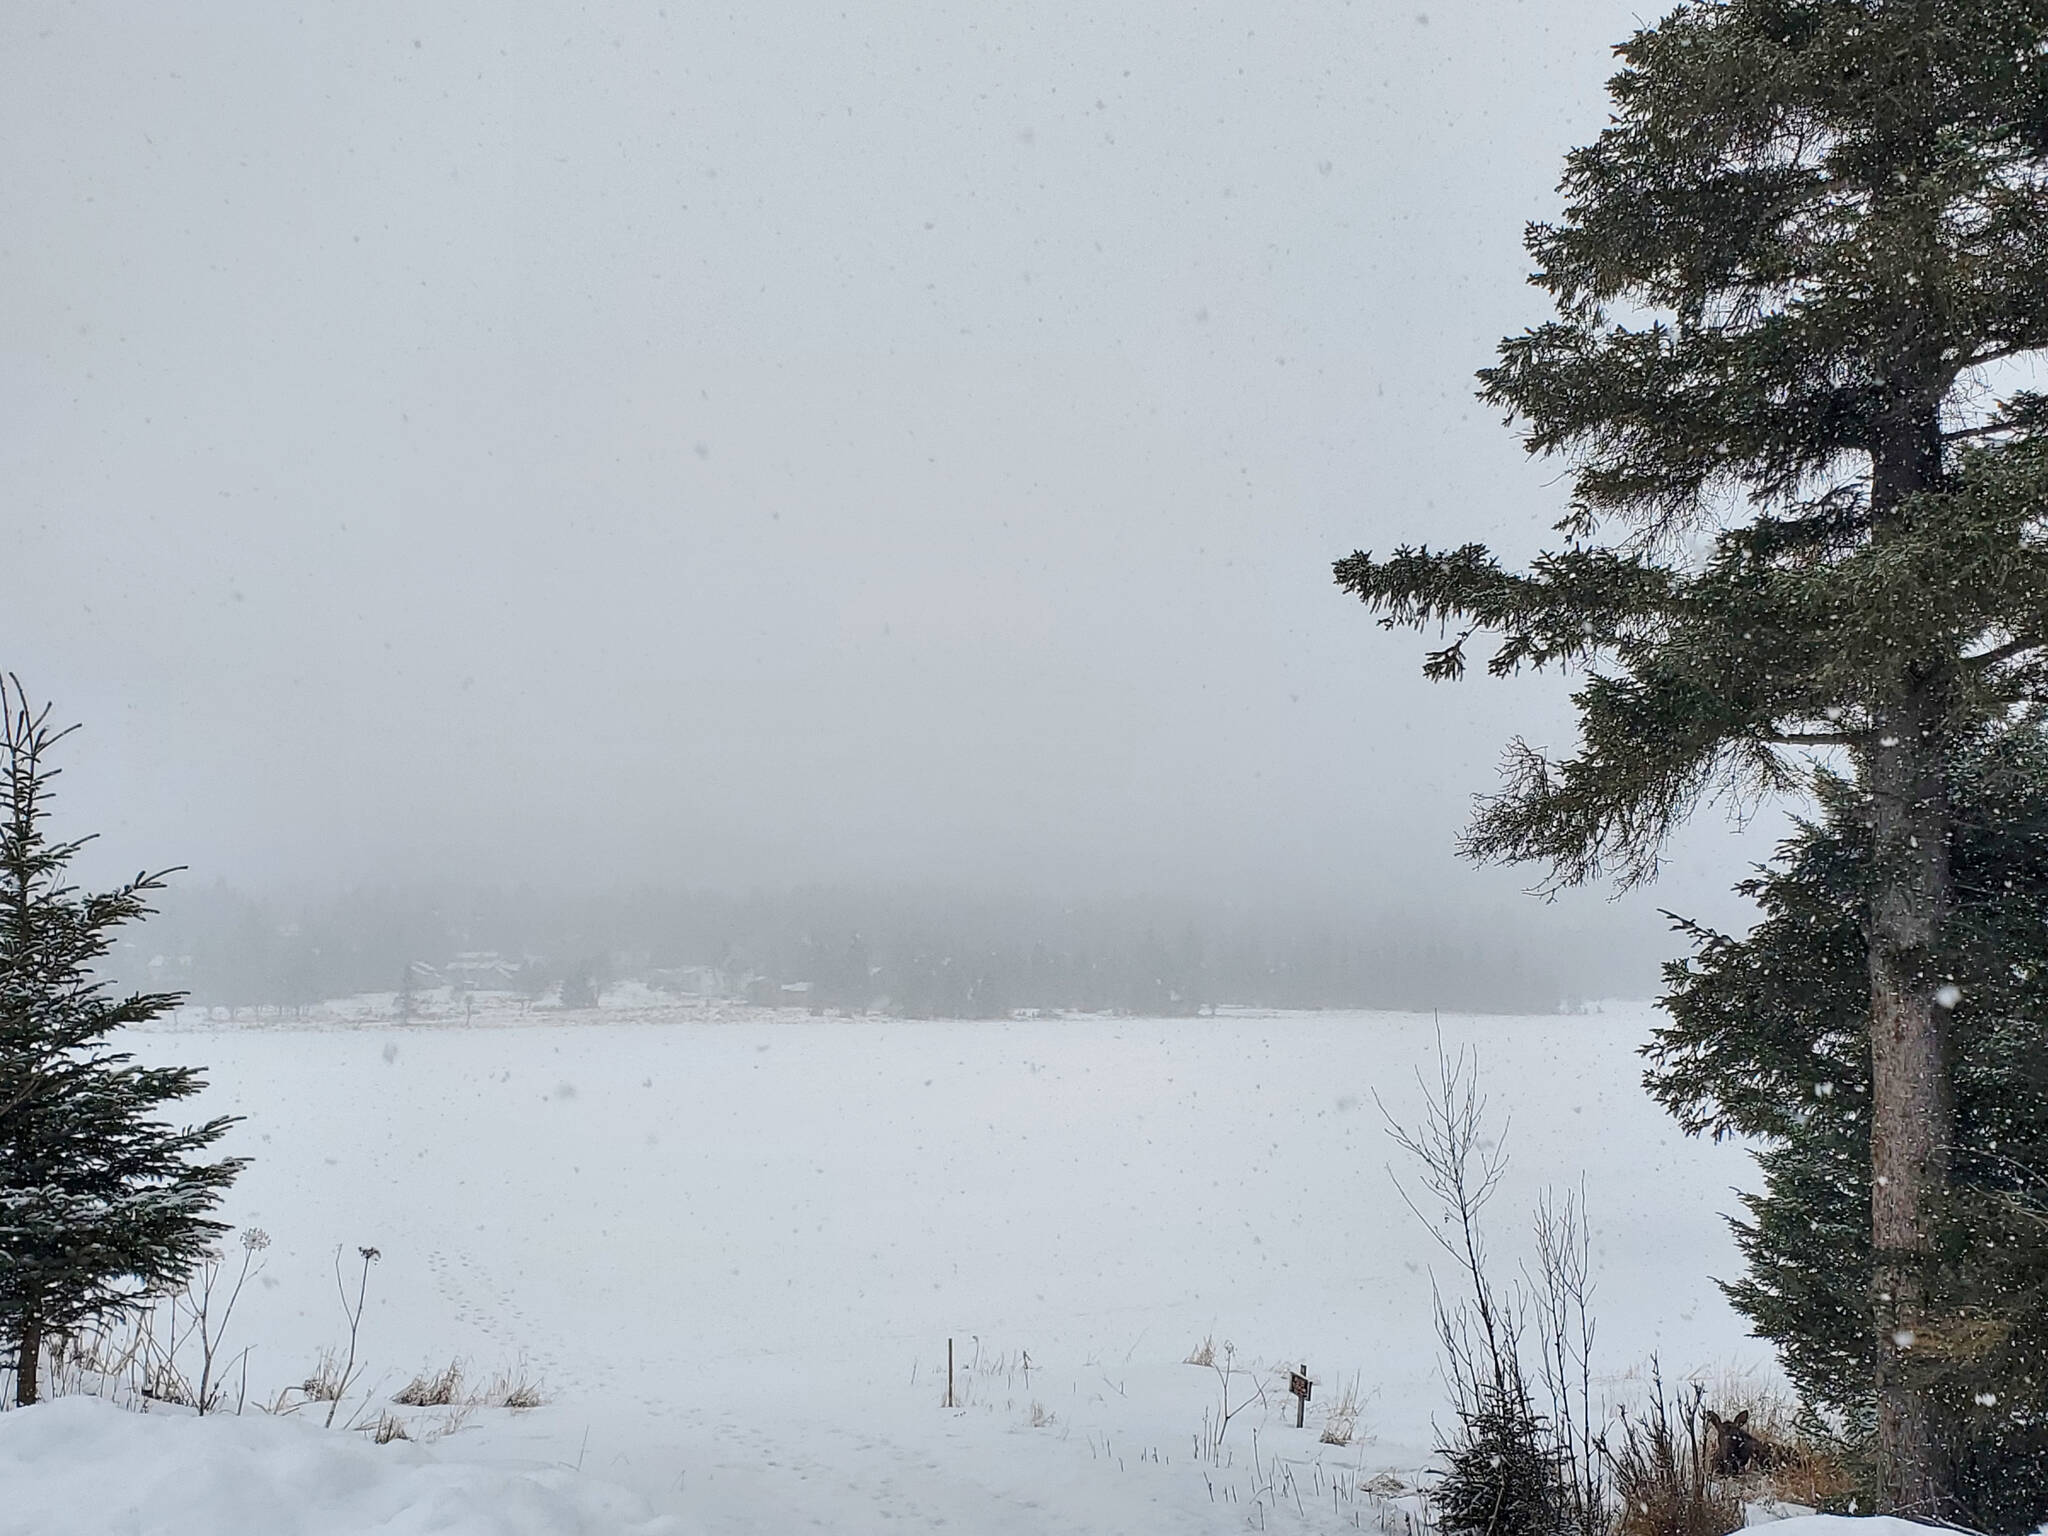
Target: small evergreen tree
[[102, 1204], [1501, 1475], [1767, 1041], [1780, 278], [579, 987]]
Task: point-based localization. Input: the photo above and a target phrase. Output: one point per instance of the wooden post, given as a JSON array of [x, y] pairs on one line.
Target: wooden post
[[949, 1374], [1299, 1384]]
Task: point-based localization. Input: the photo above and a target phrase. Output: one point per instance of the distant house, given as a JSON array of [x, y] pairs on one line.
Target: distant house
[[482, 970], [692, 981], [766, 992]]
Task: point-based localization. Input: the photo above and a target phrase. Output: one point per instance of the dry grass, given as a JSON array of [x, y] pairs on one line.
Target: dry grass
[[161, 1383], [324, 1385], [1773, 1412], [432, 1391], [1813, 1475], [100, 1353], [1203, 1353], [451, 1422], [511, 1388], [1804, 1469], [389, 1427], [1340, 1419]]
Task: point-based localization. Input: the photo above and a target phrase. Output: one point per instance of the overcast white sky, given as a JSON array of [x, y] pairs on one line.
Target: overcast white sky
[[780, 441]]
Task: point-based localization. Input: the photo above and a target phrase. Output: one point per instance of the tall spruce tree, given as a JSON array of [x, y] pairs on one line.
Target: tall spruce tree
[[102, 1204], [1784, 278], [1766, 1040]]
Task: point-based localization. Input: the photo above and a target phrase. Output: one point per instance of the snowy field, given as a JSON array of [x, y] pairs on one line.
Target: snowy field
[[732, 1247]]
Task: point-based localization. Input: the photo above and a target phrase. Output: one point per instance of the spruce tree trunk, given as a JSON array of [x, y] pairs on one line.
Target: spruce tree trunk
[[28, 1362], [1912, 1104], [1911, 1113]]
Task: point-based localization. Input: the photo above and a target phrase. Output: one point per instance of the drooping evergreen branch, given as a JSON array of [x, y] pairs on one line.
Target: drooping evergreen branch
[[1650, 747], [1569, 609], [1998, 655], [1816, 738]]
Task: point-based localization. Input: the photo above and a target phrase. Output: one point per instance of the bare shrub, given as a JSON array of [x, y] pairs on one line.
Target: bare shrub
[[195, 1319], [1509, 1469], [354, 1314], [1216, 1426], [432, 1391], [213, 1328], [1661, 1471], [1560, 1293]]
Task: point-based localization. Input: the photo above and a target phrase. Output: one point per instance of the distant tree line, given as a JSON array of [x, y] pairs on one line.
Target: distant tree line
[[918, 952]]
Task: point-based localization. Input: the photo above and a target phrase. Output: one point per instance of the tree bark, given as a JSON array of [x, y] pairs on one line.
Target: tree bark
[[1911, 1112], [27, 1363], [1912, 1101]]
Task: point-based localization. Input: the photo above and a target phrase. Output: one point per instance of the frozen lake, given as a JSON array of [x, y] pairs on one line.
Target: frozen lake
[[734, 1250]]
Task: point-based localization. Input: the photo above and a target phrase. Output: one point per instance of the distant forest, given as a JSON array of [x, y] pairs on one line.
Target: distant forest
[[921, 953]]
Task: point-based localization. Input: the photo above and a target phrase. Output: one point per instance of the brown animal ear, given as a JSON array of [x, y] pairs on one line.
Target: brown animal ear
[[1742, 1418], [1713, 1418]]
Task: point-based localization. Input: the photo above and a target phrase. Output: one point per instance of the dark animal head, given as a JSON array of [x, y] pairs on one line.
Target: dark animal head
[[1732, 1451]]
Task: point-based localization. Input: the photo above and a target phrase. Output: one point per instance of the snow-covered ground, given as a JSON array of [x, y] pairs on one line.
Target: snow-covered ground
[[733, 1246], [78, 1466]]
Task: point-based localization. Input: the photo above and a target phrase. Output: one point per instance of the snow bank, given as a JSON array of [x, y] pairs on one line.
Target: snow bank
[[1846, 1525], [82, 1467]]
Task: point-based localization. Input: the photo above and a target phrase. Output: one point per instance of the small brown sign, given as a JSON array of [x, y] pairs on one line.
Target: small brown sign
[[1303, 1389]]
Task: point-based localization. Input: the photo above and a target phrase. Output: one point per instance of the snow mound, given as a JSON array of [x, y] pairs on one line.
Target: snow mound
[[1847, 1525], [82, 1467]]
